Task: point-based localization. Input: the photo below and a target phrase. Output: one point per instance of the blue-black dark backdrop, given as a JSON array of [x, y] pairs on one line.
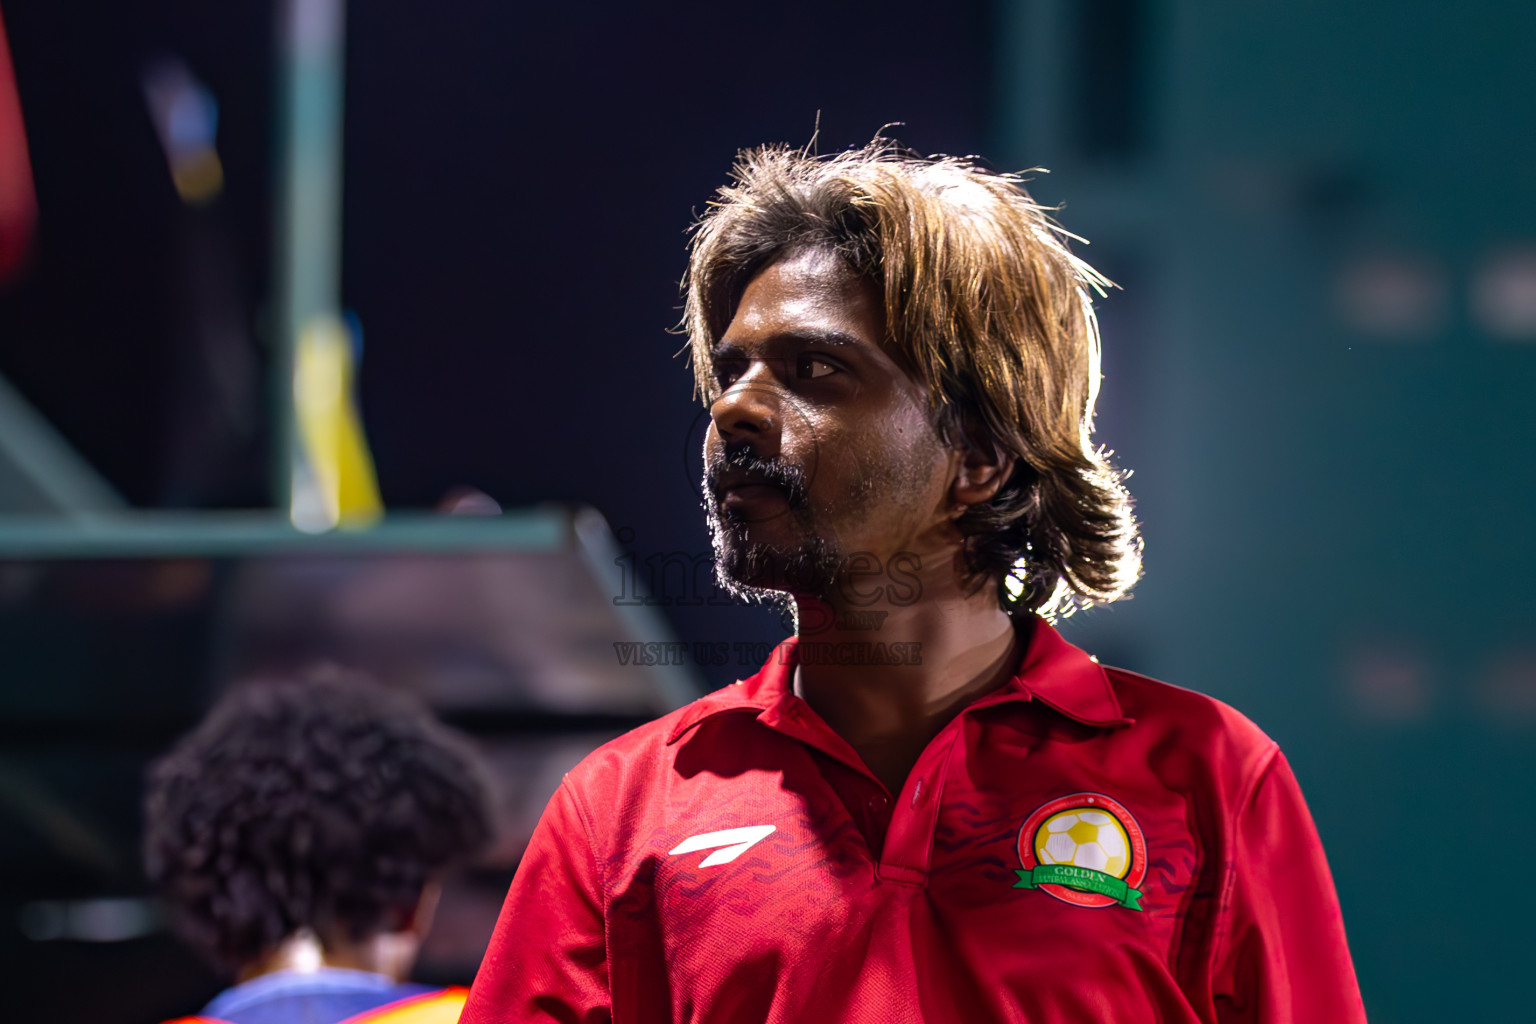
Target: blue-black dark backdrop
[[1320, 364]]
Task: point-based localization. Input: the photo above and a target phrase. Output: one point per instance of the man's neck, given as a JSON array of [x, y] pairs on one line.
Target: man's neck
[[957, 646], [304, 953]]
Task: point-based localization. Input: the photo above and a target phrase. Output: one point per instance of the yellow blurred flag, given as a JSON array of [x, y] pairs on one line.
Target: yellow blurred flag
[[330, 427]]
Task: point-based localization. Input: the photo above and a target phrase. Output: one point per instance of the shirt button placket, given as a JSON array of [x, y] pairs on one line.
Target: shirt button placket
[[908, 848]]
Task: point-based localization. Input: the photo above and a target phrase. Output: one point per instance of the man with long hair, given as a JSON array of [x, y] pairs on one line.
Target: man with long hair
[[299, 836], [927, 805]]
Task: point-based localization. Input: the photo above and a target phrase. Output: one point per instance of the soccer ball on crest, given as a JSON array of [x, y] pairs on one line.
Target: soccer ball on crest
[[1084, 838]]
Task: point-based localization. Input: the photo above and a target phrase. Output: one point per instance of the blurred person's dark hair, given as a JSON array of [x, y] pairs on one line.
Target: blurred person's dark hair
[[322, 802], [985, 306]]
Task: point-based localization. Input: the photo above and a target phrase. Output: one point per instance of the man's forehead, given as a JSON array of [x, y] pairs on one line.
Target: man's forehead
[[811, 296]]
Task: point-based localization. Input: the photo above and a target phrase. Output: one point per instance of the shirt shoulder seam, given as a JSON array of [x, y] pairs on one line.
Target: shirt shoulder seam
[[1261, 767], [586, 826], [599, 869]]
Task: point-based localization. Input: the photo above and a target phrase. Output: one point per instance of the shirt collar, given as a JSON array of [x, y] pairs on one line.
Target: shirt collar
[[1067, 679], [1060, 675]]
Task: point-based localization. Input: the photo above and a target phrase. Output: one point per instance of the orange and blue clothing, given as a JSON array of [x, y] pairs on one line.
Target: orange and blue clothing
[[331, 995]]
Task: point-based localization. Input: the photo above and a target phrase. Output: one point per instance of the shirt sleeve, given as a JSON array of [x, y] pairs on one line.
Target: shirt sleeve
[[547, 959], [1281, 956]]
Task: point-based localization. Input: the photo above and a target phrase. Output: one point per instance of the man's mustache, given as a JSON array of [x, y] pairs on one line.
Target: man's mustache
[[786, 476]]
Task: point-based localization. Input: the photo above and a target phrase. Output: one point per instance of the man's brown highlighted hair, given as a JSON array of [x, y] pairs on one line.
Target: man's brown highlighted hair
[[986, 306]]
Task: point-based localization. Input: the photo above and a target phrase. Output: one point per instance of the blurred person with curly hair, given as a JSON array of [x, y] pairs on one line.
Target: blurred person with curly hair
[[927, 805], [299, 836]]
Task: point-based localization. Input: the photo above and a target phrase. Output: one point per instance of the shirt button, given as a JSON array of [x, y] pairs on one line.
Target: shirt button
[[877, 803]]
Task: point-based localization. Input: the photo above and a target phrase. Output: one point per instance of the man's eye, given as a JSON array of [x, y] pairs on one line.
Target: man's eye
[[810, 368], [727, 374]]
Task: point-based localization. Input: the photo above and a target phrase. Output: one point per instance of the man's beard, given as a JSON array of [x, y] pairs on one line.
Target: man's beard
[[756, 571]]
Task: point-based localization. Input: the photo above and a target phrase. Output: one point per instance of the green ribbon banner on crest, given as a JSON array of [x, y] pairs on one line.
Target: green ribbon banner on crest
[[1086, 879]]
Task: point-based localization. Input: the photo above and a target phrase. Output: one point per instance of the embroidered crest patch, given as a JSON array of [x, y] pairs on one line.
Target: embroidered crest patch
[[1083, 849]]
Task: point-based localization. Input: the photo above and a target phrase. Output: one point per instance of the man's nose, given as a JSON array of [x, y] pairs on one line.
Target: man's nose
[[751, 410]]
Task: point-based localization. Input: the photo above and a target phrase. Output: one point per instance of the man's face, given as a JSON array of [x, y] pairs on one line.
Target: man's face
[[819, 445]]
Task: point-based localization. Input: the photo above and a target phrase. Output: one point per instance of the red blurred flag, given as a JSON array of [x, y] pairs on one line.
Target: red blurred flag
[[18, 199]]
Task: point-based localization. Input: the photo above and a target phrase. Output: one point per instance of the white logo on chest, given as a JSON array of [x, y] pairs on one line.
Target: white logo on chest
[[733, 842]]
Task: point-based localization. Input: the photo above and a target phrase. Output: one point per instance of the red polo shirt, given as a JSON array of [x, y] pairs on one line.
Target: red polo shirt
[[1083, 844]]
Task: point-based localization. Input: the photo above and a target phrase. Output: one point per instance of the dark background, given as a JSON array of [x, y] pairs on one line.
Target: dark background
[[1304, 203]]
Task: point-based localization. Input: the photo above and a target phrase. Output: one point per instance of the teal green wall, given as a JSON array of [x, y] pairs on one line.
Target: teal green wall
[[1340, 530]]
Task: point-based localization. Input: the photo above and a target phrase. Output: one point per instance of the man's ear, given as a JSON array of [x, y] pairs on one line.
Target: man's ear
[[982, 472], [419, 920]]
